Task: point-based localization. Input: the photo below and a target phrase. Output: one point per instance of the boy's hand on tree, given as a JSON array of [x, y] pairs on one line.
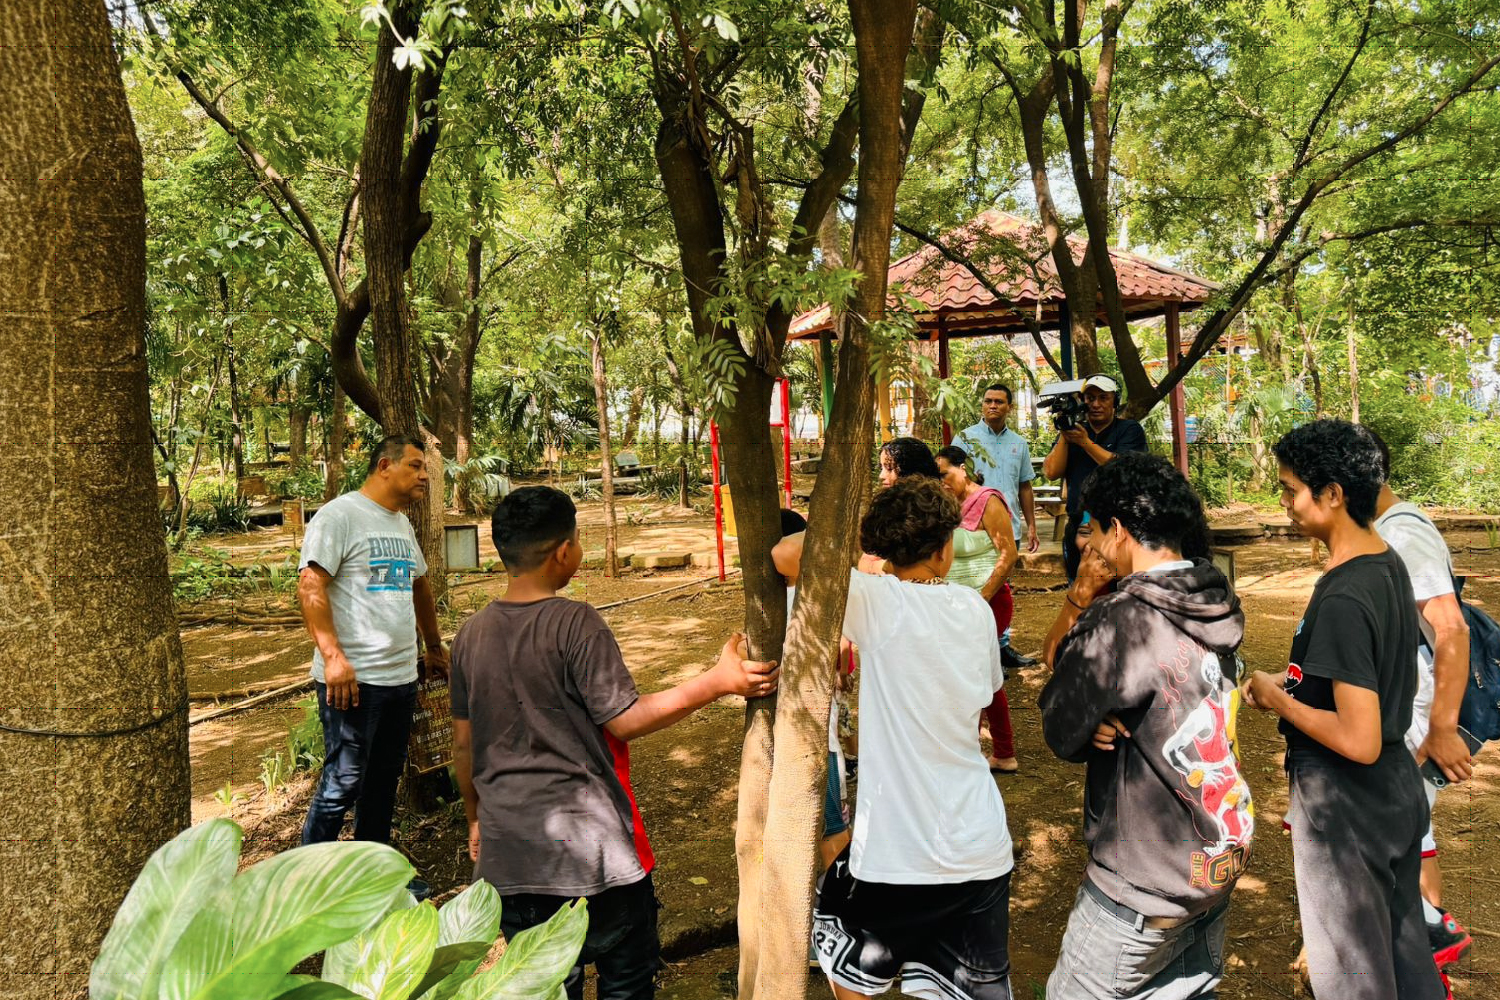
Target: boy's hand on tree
[[746, 678]]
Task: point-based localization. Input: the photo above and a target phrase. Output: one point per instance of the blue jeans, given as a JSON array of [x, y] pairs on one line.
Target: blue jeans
[[621, 943], [1106, 954], [365, 750]]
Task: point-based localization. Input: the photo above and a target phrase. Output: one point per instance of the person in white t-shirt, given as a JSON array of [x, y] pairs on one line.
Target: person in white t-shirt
[[1442, 673], [922, 894]]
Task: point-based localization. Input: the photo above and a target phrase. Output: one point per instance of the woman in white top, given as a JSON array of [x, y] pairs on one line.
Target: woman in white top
[[923, 892]]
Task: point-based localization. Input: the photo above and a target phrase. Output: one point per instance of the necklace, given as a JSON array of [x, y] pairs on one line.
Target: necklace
[[931, 581]]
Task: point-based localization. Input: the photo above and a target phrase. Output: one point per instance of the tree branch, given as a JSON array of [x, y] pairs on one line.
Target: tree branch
[[306, 226], [1328, 99]]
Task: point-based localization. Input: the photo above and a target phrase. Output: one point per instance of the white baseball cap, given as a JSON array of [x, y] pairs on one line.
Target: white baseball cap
[[1102, 382]]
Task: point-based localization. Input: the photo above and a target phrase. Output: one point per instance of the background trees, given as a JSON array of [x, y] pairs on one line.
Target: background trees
[[453, 242]]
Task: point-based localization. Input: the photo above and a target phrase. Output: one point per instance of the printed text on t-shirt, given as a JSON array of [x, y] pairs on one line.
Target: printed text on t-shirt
[[392, 563]]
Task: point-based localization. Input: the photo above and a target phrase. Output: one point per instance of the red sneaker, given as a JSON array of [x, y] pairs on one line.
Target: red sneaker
[[1450, 941]]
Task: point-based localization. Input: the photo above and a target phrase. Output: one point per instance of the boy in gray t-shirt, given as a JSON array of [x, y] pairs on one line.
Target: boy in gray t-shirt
[[543, 711]]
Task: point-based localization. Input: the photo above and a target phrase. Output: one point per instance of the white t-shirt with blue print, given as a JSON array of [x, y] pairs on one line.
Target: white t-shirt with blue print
[[373, 557]]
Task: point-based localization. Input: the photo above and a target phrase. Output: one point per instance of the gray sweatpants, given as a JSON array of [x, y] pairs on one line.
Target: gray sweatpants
[[1356, 846]]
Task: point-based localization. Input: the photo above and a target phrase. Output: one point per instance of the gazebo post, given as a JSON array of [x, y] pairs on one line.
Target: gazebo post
[[942, 332], [1065, 338], [1176, 403], [825, 357]]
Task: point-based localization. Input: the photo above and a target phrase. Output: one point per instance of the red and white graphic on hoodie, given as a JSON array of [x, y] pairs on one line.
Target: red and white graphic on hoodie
[[1201, 749]]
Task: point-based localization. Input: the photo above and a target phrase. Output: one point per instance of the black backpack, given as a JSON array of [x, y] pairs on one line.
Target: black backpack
[[1480, 711]]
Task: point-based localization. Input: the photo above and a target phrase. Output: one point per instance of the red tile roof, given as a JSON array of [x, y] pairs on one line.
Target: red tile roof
[[1015, 254]]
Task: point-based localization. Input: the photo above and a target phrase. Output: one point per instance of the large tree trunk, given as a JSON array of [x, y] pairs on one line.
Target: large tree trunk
[[386, 205], [883, 31], [606, 455], [468, 348], [184, 500], [685, 414], [236, 420], [633, 417], [338, 430], [89, 629]]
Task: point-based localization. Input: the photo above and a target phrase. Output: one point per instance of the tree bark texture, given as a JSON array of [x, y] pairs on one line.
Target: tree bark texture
[[338, 431], [883, 31], [88, 626], [633, 416], [606, 455], [698, 222], [236, 417], [388, 206], [468, 348]]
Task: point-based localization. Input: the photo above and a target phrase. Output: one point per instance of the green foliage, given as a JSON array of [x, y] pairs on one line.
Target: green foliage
[[485, 478], [205, 575], [223, 511], [664, 482], [302, 481], [304, 750], [192, 929], [207, 572]]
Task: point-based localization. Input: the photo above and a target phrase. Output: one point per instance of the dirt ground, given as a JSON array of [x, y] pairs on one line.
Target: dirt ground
[[685, 777]]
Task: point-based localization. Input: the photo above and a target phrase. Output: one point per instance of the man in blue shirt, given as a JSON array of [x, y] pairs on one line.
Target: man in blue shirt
[[1003, 458]]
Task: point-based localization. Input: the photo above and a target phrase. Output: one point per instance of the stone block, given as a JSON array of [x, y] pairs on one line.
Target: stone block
[[660, 560]]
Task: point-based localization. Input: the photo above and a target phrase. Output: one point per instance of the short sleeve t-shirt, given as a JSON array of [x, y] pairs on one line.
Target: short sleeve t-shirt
[[1421, 547], [1119, 437], [537, 682], [928, 810], [373, 557], [1360, 628], [1004, 460]]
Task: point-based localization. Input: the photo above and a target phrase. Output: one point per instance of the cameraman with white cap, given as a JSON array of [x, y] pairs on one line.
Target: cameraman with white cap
[[1084, 447]]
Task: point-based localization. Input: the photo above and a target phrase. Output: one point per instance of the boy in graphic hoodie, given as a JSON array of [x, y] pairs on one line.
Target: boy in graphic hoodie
[[1143, 692]]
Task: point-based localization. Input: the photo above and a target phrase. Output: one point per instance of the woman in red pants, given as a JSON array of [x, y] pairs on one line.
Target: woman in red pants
[[984, 553]]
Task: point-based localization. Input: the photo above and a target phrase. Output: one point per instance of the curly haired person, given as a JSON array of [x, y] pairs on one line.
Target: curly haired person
[[922, 894]]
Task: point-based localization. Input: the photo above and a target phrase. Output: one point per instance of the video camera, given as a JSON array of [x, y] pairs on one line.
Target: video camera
[[1065, 402]]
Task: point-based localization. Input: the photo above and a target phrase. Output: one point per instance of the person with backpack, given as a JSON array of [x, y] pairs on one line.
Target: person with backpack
[[1442, 674], [1356, 807]]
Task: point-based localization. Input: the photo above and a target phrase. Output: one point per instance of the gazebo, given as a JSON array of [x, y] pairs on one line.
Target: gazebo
[[951, 302]]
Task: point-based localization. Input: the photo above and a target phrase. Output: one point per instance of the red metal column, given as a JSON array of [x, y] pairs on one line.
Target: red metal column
[[1176, 405], [713, 440]]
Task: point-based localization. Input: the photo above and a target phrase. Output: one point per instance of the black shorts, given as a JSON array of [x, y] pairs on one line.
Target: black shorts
[[944, 942]]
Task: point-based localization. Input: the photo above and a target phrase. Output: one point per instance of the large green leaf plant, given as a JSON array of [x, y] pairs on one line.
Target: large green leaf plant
[[193, 929]]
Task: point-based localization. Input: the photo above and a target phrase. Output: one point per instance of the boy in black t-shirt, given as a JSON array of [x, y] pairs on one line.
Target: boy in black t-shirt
[[1357, 811]]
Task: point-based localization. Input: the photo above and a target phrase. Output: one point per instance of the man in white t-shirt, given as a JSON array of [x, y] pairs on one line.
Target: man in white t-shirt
[[1442, 673], [364, 595]]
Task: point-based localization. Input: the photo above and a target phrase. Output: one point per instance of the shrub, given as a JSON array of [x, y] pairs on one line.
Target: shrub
[[221, 511], [191, 928], [302, 481]]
